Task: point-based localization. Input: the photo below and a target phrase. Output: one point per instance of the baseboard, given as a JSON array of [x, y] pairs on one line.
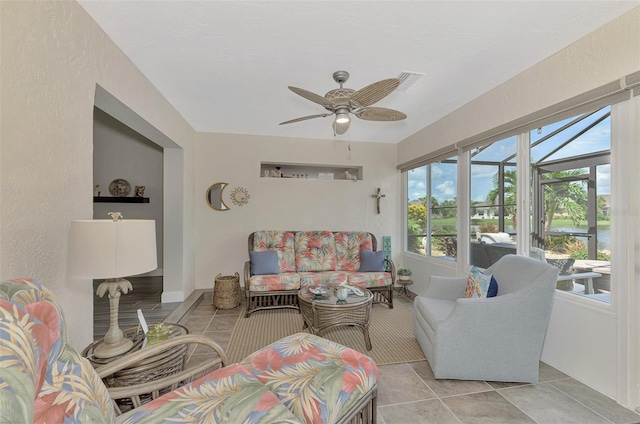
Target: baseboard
[[172, 297], [182, 312]]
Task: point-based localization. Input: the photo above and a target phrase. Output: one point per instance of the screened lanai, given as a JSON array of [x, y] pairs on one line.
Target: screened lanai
[[570, 202]]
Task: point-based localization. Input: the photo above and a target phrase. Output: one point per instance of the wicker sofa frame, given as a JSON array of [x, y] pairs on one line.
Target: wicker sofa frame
[[257, 301]]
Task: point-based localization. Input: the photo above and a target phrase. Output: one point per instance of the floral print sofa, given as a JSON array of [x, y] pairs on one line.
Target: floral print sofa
[[311, 258], [299, 379]]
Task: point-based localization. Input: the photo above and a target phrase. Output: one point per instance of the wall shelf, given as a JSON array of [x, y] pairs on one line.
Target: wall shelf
[[310, 171], [120, 199]]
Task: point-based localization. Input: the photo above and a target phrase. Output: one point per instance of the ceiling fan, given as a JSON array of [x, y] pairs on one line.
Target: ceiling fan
[[343, 101]]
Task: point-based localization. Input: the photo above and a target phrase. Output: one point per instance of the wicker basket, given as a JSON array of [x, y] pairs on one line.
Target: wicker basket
[[226, 291]]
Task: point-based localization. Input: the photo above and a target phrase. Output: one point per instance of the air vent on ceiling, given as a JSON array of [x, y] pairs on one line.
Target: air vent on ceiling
[[408, 80]]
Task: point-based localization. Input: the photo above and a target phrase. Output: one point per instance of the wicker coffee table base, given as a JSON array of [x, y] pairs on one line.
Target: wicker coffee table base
[[320, 317]]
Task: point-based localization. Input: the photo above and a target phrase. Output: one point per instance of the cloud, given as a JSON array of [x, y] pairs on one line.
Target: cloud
[[603, 177], [446, 189]]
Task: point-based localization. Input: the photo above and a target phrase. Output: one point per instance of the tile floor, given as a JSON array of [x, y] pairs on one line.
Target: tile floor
[[408, 392]]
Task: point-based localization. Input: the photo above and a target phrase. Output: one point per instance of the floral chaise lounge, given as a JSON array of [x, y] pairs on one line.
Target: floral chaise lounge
[[282, 262], [299, 379]]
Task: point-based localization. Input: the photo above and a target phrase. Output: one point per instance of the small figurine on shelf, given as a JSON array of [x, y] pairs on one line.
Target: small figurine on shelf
[[139, 192], [96, 190], [351, 177]]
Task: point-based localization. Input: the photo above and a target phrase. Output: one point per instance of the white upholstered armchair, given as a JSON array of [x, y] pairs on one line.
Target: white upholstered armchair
[[493, 339]]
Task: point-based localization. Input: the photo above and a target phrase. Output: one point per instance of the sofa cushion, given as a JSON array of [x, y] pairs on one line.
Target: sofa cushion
[[280, 241], [264, 263], [326, 278], [369, 279], [329, 378], [231, 394], [371, 261], [279, 282], [315, 251], [349, 244]]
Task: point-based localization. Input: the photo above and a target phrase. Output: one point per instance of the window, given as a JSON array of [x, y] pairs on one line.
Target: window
[[572, 184], [492, 203], [570, 198], [432, 224]]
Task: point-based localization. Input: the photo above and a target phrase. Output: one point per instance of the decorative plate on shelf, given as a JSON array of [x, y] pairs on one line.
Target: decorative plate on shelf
[[119, 188]]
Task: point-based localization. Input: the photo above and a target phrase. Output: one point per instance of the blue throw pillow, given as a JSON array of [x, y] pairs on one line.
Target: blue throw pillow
[[264, 262], [493, 287], [371, 261]]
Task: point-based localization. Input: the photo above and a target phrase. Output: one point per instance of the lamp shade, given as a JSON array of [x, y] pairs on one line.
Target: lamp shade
[[104, 248]]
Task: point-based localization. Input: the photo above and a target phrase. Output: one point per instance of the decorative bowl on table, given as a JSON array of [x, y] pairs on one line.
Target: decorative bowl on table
[[319, 291], [157, 334]]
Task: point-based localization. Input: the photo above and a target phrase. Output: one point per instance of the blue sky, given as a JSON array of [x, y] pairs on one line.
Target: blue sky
[[445, 178]]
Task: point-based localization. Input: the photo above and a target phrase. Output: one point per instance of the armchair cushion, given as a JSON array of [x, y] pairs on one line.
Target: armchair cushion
[[371, 261], [240, 398], [44, 379], [329, 378]]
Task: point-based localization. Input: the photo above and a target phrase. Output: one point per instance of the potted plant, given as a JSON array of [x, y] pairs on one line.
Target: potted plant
[[404, 273]]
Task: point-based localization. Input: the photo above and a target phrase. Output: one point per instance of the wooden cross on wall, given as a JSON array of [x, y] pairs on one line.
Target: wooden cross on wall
[[378, 196]]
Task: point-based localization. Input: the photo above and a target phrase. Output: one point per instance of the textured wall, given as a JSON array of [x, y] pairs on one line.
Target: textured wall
[[294, 204], [53, 55]]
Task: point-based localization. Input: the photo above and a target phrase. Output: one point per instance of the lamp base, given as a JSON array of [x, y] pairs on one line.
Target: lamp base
[[106, 350]]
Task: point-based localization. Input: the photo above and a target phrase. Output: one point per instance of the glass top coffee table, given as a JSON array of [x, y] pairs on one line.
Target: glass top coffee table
[[326, 312]]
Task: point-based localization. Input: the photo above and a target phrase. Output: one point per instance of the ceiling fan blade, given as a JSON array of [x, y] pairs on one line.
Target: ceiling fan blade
[[380, 114], [375, 92], [304, 118], [340, 128], [316, 98]]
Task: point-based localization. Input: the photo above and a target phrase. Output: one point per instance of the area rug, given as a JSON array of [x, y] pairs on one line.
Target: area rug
[[390, 330]]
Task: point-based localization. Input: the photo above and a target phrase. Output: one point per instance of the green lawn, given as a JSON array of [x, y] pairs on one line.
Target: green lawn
[[451, 223]]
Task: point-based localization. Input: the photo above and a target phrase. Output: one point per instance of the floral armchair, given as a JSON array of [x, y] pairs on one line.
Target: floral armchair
[[301, 378]]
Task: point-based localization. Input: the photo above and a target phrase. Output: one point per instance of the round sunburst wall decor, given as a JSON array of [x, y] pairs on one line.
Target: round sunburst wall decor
[[240, 196]]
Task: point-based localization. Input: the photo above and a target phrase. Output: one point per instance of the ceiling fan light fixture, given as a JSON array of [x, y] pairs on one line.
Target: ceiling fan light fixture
[[342, 116]]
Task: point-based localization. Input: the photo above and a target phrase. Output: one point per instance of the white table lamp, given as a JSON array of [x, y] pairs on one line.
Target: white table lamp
[[112, 249]]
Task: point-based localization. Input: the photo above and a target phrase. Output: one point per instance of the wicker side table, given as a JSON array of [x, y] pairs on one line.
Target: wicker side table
[[166, 363], [226, 291], [403, 291]]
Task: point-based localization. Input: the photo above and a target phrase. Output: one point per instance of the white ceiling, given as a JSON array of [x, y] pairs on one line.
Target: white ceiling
[[226, 65]]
